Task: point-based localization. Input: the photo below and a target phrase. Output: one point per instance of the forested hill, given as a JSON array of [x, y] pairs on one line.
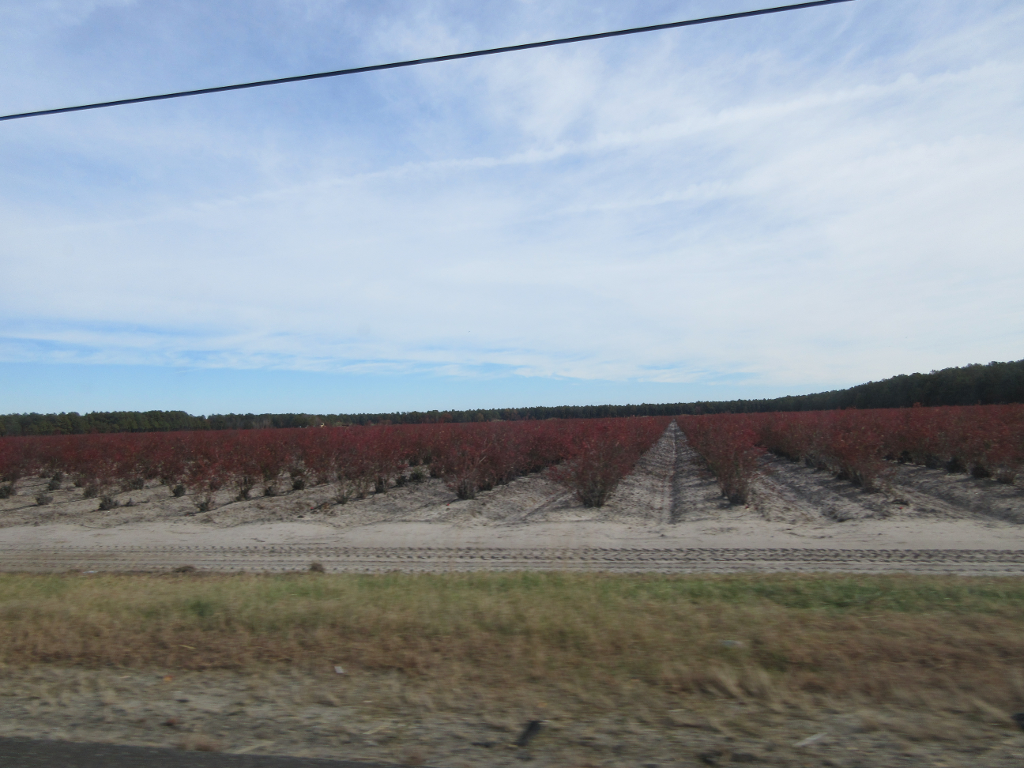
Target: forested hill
[[970, 385]]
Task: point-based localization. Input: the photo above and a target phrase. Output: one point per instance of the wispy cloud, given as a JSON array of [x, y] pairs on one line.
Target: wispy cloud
[[805, 209]]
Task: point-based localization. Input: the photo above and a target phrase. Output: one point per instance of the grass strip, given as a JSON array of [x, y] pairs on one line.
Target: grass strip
[[882, 637]]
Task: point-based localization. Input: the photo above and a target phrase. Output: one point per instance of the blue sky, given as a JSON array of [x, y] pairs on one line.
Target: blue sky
[[768, 206]]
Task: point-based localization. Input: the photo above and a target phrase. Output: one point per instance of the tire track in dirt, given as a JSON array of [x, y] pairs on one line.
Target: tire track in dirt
[[673, 491], [282, 558], [646, 492]]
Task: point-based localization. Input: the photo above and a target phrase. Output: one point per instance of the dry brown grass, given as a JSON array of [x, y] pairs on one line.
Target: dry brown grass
[[956, 643]]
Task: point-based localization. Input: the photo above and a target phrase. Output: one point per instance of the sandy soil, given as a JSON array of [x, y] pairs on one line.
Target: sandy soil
[[666, 516]]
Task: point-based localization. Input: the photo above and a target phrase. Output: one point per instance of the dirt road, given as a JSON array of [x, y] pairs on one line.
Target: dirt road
[[278, 558]]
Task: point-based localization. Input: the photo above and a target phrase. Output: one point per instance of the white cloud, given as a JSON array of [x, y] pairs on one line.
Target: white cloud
[[802, 211]]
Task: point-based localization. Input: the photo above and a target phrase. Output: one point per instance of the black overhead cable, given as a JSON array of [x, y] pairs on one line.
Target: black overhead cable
[[432, 60]]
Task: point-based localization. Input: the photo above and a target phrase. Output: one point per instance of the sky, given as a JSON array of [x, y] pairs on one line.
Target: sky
[[767, 206]]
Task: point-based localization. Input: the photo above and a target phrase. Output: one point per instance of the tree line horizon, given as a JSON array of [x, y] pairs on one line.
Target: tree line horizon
[[995, 383]]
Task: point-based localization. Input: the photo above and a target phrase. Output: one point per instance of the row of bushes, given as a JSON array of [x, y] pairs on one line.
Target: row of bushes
[[860, 446], [591, 455]]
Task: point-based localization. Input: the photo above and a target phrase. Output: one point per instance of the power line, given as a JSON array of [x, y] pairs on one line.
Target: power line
[[432, 60]]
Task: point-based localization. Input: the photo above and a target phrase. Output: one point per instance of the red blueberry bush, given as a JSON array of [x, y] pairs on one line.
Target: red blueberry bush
[[589, 456], [727, 446], [600, 452], [985, 440]]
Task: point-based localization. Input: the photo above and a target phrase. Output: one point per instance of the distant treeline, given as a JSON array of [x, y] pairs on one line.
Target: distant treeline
[[971, 385], [145, 421]]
